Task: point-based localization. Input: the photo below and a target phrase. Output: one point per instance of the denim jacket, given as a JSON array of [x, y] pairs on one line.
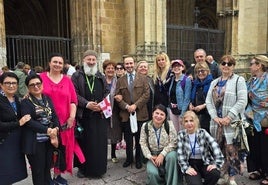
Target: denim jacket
[[182, 95]]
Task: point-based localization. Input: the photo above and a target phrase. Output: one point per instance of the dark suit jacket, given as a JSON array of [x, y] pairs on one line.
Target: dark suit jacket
[[140, 94], [9, 121]]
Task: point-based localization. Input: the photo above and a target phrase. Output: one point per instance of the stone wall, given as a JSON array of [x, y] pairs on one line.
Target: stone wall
[[113, 28], [3, 52]]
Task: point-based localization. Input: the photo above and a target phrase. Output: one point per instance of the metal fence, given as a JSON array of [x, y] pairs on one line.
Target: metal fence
[[35, 50], [183, 41]]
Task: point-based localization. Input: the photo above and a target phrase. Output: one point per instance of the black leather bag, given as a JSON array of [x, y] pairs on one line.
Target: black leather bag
[[59, 157], [174, 110]]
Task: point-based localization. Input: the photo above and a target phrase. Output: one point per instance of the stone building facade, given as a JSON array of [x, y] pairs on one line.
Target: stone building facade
[[139, 27]]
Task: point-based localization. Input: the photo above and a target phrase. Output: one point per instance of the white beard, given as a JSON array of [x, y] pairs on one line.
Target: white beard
[[90, 71]]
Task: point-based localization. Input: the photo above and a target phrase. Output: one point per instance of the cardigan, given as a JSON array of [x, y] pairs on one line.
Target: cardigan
[[234, 103]]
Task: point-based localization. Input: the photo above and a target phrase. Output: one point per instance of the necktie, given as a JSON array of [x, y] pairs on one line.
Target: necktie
[[130, 81]]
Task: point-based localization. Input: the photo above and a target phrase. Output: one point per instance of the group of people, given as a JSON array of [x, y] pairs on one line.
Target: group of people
[[182, 119], [214, 100]]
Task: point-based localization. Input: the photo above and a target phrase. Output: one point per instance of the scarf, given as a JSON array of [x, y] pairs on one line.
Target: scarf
[[205, 84]]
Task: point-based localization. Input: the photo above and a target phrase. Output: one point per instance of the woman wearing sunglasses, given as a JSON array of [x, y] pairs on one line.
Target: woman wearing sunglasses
[[257, 114], [226, 101], [40, 133], [201, 84]]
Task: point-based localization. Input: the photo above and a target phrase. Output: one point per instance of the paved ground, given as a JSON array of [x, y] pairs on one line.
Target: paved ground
[[117, 175]]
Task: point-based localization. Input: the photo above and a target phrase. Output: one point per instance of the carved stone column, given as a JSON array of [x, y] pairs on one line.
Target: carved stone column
[[150, 28], [81, 27], [245, 24], [227, 12], [3, 51]]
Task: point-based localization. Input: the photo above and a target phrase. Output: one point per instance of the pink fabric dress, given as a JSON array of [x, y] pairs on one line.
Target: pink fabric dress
[[62, 95]]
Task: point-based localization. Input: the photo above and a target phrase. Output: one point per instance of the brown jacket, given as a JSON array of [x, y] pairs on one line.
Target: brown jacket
[[140, 94]]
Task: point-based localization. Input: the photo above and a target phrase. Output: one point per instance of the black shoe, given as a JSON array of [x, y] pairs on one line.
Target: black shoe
[[59, 180], [138, 165], [126, 164], [80, 174]]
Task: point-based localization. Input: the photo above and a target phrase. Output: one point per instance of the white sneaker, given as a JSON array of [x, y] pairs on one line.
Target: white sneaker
[[222, 181], [232, 182]]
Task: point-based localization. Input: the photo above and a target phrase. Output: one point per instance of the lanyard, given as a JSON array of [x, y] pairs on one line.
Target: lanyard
[[90, 86], [193, 147], [158, 135]]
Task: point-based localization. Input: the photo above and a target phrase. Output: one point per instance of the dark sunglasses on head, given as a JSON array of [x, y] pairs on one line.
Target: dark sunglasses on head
[[202, 71], [38, 84], [229, 64]]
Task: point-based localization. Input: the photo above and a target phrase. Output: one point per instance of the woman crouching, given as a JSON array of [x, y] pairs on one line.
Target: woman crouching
[[158, 142], [199, 155]]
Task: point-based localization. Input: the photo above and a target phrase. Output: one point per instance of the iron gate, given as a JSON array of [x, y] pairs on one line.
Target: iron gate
[[35, 50], [183, 41]]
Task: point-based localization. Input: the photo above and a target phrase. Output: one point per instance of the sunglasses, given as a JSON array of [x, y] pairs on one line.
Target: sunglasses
[[202, 71], [229, 64], [119, 68], [37, 84]]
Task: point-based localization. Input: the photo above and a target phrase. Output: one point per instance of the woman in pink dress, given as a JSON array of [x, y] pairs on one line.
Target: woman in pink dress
[[61, 90]]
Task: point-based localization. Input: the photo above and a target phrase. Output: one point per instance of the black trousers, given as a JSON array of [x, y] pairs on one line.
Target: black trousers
[[40, 163], [257, 158], [210, 177], [128, 136]]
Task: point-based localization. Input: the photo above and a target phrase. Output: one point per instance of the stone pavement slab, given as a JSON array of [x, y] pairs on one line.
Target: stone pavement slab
[[117, 175]]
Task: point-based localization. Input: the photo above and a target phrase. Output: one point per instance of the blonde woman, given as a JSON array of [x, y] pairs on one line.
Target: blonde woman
[[201, 84], [143, 68], [199, 155], [161, 78]]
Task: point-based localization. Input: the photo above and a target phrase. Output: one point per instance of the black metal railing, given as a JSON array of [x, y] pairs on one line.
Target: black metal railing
[[182, 41], [35, 50]]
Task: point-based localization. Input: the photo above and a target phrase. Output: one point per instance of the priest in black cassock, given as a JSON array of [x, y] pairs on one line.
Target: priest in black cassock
[[90, 86]]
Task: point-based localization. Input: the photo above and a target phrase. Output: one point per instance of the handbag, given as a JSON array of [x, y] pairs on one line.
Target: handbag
[[58, 156], [133, 122], [240, 139], [174, 109]]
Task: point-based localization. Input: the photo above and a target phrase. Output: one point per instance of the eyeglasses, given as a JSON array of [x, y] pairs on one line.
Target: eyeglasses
[[37, 84], [202, 71], [229, 64], [119, 68], [10, 83]]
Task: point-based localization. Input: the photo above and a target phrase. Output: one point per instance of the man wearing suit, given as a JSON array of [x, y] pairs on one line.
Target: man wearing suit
[[135, 92]]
